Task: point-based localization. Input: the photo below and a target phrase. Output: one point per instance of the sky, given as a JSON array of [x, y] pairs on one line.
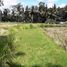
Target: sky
[[50, 3]]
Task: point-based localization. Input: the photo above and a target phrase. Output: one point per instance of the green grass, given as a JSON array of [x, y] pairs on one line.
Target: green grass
[[36, 49]]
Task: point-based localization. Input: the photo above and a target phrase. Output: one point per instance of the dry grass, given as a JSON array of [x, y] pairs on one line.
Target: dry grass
[[59, 34], [4, 28]]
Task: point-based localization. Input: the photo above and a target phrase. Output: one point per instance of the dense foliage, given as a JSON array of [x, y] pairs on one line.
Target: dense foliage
[[35, 14]]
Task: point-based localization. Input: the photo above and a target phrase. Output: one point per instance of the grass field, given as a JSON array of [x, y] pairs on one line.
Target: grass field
[[36, 49]]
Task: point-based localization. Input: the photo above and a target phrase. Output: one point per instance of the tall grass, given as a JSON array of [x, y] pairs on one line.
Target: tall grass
[[7, 52]]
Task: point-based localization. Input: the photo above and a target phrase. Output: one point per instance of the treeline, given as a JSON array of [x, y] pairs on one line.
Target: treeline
[[40, 13]]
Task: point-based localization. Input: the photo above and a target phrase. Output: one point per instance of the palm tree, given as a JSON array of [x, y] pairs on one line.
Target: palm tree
[[0, 15], [5, 14], [1, 3], [42, 10], [17, 11]]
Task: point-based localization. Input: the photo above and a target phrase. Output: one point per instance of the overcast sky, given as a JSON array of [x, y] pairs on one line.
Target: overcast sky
[[50, 3]]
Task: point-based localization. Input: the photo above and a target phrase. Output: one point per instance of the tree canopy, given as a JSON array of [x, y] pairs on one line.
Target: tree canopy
[[34, 14]]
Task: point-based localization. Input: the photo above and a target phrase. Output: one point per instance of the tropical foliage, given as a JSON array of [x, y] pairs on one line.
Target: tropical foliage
[[35, 14]]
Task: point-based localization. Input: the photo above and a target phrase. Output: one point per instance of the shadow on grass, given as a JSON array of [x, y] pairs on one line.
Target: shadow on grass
[[15, 65], [53, 65], [36, 65], [20, 54]]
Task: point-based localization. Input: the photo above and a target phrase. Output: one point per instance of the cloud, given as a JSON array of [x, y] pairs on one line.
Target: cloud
[[8, 3], [62, 5], [50, 3]]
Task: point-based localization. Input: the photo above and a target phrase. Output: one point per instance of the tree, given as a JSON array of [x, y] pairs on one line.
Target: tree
[[1, 3], [5, 15], [54, 8], [32, 13], [17, 9], [39, 13], [27, 14], [13, 16], [65, 12], [0, 15], [65, 8], [41, 6], [42, 10]]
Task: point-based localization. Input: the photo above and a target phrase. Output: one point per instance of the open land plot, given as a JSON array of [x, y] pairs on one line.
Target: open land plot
[[36, 49]]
